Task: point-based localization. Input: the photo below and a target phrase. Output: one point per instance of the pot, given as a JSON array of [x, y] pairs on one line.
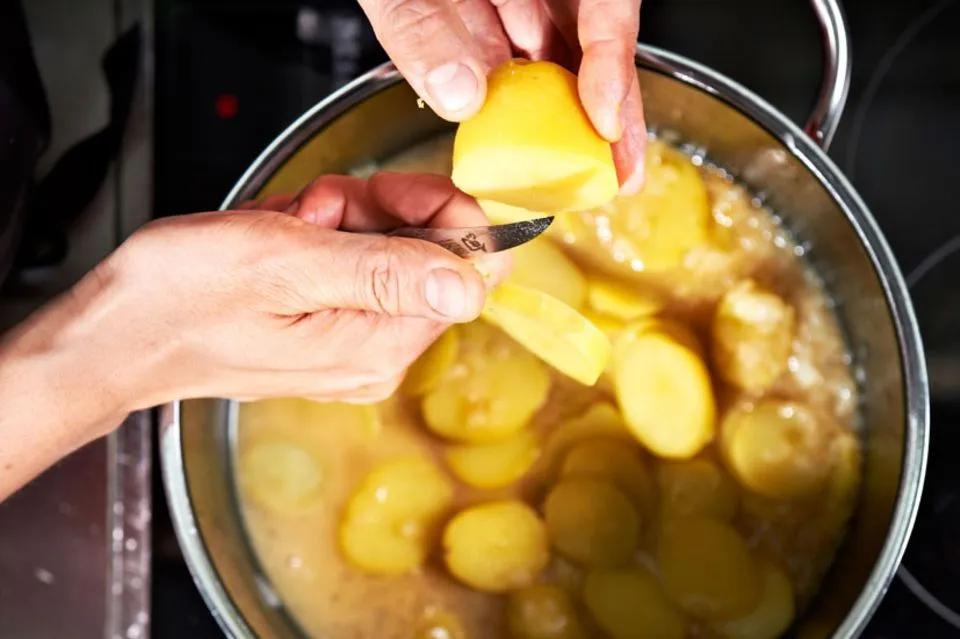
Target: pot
[[377, 116]]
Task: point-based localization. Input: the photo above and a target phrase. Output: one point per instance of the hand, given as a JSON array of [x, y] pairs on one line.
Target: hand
[[446, 48], [244, 304]]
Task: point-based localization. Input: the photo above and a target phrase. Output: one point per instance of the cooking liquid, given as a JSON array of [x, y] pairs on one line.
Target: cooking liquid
[[299, 551]]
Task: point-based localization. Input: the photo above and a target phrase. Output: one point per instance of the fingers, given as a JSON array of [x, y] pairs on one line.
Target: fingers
[[531, 31], [277, 202], [435, 52], [629, 151], [340, 201], [482, 22]]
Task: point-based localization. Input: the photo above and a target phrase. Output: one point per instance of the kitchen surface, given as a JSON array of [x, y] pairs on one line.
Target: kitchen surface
[[216, 80]]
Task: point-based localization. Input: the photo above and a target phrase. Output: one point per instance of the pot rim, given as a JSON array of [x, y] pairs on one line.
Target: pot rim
[[916, 389]]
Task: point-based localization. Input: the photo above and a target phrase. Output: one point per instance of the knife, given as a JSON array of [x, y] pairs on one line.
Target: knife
[[472, 241]]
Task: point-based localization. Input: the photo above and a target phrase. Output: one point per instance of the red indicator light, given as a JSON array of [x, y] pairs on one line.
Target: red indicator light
[[226, 105]]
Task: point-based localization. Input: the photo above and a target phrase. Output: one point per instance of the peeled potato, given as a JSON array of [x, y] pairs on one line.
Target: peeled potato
[[840, 494], [629, 604], [496, 546], [389, 520], [542, 612], [611, 460], [625, 302], [772, 615], [611, 326], [425, 373], [599, 420], [541, 265], [551, 330], [592, 522], [490, 392], [695, 487], [777, 448], [752, 336], [494, 465], [437, 623], [664, 391], [531, 145], [282, 476], [707, 569]]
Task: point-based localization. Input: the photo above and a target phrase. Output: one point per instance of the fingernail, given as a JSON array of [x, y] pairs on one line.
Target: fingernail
[[446, 293], [453, 86]]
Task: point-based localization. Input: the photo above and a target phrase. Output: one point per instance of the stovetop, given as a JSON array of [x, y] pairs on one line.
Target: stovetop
[[231, 75]]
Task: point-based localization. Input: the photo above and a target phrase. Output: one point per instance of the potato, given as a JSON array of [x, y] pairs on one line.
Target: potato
[[542, 612], [625, 302], [664, 391], [609, 459], [496, 546], [772, 615], [777, 448], [490, 393], [752, 336], [437, 623], [628, 603], [695, 487], [839, 497], [389, 521], [532, 145], [543, 266], [707, 569], [599, 420], [282, 476], [592, 522], [611, 326], [494, 465], [551, 330], [425, 373]]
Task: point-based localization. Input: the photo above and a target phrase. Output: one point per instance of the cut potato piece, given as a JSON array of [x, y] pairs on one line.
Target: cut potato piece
[[541, 265], [625, 302], [490, 392], [496, 546], [696, 487], [600, 420], [551, 330], [592, 522], [752, 336], [840, 495], [772, 616], [542, 612], [707, 569], [611, 326], [610, 460], [500, 213], [664, 391], [437, 623], [629, 604], [389, 520], [494, 465], [531, 144], [282, 476], [777, 448], [425, 373]]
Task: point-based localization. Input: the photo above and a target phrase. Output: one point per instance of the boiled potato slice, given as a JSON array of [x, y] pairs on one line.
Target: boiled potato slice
[[425, 373], [500, 213], [551, 330], [543, 611], [625, 302], [543, 266], [490, 393], [773, 614], [599, 420], [776, 448], [752, 336], [611, 326], [609, 459], [664, 391], [494, 465], [531, 144], [389, 520], [282, 476], [437, 623], [707, 569], [592, 522], [496, 546], [629, 604], [840, 495], [695, 487]]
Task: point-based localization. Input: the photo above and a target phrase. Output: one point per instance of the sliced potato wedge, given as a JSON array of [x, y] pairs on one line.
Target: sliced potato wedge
[[628, 603], [494, 465]]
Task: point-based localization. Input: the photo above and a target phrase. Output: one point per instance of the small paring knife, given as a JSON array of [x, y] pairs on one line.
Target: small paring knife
[[470, 242]]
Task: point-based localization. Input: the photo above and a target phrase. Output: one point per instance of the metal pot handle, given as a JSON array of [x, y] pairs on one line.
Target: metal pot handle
[[835, 83]]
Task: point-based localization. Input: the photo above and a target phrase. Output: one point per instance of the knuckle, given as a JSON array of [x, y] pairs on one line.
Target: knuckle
[[381, 279], [410, 18]]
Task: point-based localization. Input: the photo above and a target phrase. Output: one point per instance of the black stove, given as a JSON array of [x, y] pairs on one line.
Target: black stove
[[231, 74]]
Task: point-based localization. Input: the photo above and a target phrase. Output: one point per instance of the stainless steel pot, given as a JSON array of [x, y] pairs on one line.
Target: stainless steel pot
[[377, 116]]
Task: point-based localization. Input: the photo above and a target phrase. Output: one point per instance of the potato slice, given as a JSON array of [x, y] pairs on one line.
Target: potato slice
[[707, 569], [532, 145], [425, 373], [500, 213], [490, 393], [551, 330], [494, 465], [542, 612], [609, 459], [840, 494], [664, 391], [622, 301], [696, 487], [282, 476], [543, 266], [752, 336], [629, 604], [388, 523], [776, 448], [599, 420], [592, 522], [496, 546], [773, 614]]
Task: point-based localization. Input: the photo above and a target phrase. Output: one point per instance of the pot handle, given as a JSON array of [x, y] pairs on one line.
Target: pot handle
[[835, 83]]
